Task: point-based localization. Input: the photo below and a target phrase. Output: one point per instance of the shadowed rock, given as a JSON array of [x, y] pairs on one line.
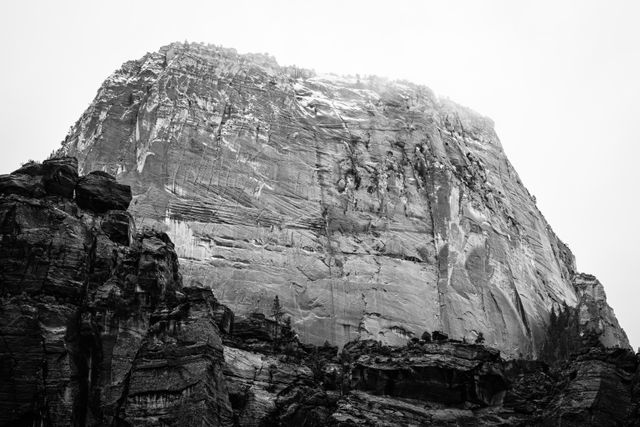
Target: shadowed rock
[[94, 327], [60, 176], [100, 192], [118, 225]]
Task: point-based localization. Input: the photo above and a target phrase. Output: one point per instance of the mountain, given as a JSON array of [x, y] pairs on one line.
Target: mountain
[[98, 329], [371, 208], [223, 241]]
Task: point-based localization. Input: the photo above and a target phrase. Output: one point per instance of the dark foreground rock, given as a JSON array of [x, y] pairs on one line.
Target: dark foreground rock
[[278, 382], [95, 326], [99, 191]]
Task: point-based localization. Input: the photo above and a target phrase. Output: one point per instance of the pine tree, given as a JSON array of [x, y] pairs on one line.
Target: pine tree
[[277, 313], [287, 332], [276, 310]]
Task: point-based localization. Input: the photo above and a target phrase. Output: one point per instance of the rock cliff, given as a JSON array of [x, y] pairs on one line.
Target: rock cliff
[[95, 326], [372, 208], [97, 329]]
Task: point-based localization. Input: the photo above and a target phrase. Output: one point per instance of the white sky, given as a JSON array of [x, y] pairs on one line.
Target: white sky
[[561, 80]]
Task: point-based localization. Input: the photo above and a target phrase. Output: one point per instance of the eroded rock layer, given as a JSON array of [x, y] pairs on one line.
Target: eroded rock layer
[[95, 327], [372, 208]]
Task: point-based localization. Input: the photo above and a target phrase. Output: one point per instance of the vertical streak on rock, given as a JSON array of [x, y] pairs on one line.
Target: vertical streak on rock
[[325, 229], [520, 307], [79, 341], [118, 413], [438, 190]]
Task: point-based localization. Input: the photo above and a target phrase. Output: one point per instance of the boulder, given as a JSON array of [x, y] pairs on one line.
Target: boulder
[[60, 176], [99, 192], [54, 177], [22, 185], [94, 326]]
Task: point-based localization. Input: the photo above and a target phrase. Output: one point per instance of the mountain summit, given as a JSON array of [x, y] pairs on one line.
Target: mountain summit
[[371, 208]]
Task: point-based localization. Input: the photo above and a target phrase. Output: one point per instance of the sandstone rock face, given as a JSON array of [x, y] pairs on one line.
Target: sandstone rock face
[[594, 314], [95, 327], [372, 208]]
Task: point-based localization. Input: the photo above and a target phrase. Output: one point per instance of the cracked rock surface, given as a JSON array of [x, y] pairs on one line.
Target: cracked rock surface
[[372, 208], [95, 327]]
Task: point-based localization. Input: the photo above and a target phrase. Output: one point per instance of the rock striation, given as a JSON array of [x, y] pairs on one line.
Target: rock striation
[[97, 329], [282, 382], [95, 326], [372, 208]]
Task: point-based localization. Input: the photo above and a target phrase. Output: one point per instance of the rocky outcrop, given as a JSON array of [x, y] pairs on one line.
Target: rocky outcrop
[[372, 208], [444, 383], [589, 323], [96, 329], [54, 177], [596, 390], [433, 372], [95, 326], [99, 191]]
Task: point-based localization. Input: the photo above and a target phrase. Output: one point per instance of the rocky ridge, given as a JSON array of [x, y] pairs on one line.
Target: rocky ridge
[[93, 312], [97, 329], [373, 209]]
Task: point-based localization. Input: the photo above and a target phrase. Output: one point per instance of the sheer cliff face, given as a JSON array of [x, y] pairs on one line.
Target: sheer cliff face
[[371, 208]]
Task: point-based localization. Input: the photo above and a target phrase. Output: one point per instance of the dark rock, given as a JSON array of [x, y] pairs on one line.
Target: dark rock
[[304, 406], [254, 327], [30, 168], [60, 176], [99, 192], [54, 177], [176, 377], [439, 336], [43, 249], [480, 338], [449, 373], [95, 332], [597, 389], [22, 185], [426, 336], [118, 226]]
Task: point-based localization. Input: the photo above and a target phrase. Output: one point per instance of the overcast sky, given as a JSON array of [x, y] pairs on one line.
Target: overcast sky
[[561, 80]]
